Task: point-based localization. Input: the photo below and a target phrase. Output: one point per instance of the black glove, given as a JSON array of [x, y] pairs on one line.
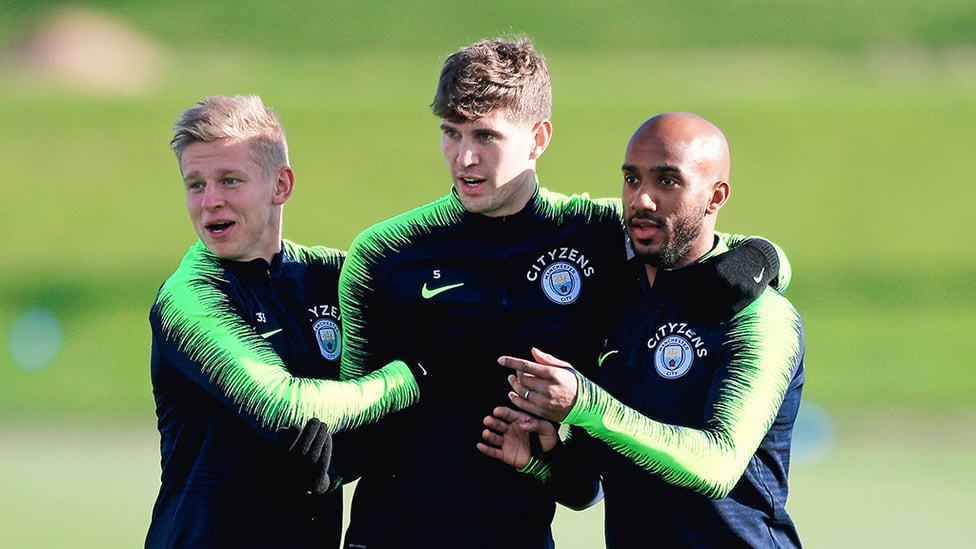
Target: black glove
[[716, 289], [312, 449]]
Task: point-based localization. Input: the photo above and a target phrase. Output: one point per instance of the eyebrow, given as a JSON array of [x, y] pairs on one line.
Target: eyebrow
[[664, 168], [476, 129], [222, 172]]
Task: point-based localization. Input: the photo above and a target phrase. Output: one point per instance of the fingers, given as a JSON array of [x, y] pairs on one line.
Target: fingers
[[510, 415], [491, 451], [305, 441], [539, 369], [321, 446], [492, 438], [504, 418], [293, 436], [497, 428], [520, 387], [517, 384], [497, 425], [545, 358], [520, 393], [521, 365]]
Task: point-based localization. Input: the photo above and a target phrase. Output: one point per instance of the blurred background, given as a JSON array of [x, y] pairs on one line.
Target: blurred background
[[853, 131]]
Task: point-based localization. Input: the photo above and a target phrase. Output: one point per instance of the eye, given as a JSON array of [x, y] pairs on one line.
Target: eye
[[450, 132], [669, 182], [631, 180], [194, 186], [486, 137], [231, 181]]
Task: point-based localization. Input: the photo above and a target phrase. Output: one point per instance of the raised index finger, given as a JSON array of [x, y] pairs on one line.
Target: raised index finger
[[521, 365]]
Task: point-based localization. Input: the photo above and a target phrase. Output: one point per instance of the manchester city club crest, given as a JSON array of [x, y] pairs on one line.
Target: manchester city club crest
[[561, 283], [673, 357], [328, 336]]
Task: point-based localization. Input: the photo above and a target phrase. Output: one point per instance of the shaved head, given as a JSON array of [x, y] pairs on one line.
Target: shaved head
[[676, 173], [688, 136]]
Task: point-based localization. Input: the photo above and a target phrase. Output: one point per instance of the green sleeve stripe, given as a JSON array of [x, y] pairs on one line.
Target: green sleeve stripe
[[314, 254], [765, 343], [245, 368], [537, 468], [557, 206]]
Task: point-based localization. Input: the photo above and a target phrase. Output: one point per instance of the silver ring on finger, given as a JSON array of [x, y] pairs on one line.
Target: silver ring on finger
[[526, 395]]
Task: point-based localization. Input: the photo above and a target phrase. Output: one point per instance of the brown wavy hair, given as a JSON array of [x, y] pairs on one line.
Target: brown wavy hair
[[494, 74]]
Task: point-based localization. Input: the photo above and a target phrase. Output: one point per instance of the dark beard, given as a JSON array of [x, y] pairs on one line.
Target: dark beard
[[675, 251]]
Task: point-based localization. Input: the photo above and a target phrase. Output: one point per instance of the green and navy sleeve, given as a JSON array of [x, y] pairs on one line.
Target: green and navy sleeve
[[360, 280], [764, 349], [200, 334]]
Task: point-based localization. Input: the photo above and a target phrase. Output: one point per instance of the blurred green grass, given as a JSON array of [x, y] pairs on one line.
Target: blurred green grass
[[861, 178], [344, 26]]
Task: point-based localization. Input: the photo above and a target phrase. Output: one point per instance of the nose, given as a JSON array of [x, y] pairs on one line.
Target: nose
[[642, 200], [466, 155], [212, 198]]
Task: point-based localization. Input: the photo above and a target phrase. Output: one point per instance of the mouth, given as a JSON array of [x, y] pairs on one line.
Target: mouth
[[643, 227], [643, 222], [218, 228], [470, 181]]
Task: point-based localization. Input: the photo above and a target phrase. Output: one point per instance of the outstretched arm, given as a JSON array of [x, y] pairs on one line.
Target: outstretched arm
[[198, 333], [708, 459]]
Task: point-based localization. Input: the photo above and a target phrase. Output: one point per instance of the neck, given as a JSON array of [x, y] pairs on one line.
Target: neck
[[651, 271], [526, 190]]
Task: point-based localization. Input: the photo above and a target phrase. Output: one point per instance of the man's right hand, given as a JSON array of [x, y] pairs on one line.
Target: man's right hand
[[546, 388]]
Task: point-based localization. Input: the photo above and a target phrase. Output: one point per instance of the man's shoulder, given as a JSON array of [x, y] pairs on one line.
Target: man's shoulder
[[199, 275], [402, 228], [313, 256], [580, 205]]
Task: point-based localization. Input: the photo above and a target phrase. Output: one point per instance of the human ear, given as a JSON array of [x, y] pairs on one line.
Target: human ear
[[542, 134], [283, 186], [720, 195]]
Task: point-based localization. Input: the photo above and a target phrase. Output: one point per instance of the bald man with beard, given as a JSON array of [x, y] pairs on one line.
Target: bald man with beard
[[691, 419]]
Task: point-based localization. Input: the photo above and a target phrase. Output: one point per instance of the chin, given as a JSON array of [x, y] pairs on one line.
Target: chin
[[646, 254], [474, 206], [223, 252]]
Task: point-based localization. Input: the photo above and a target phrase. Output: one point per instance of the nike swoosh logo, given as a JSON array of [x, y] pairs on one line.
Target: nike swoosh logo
[[428, 293], [758, 277], [604, 356], [266, 335]]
